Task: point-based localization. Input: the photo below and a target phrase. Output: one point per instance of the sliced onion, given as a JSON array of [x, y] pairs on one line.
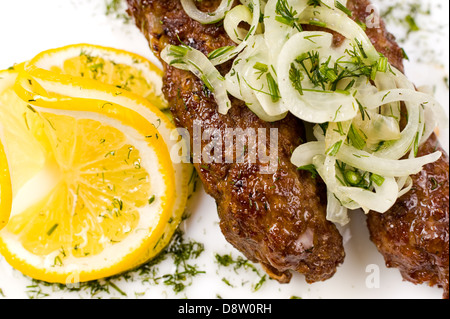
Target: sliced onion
[[431, 123], [276, 33], [232, 20], [256, 9], [336, 133], [206, 17], [406, 185], [395, 95], [379, 128], [336, 213], [244, 83], [318, 133], [399, 148], [381, 200], [305, 153], [385, 81], [372, 107], [338, 21], [258, 82], [381, 166], [313, 107], [196, 62], [326, 167]]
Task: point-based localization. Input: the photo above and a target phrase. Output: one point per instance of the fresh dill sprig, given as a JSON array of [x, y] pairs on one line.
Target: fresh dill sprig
[[287, 15]]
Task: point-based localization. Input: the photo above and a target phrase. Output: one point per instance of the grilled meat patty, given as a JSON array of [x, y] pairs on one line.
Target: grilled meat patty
[[275, 219], [278, 220], [413, 235]]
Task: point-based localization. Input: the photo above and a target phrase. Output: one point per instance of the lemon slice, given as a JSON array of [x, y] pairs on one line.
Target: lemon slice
[[22, 134], [5, 187], [115, 197], [122, 69], [46, 88]]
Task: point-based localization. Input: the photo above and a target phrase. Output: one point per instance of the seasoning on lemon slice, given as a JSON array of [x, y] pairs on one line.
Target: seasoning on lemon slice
[[119, 68], [114, 196]]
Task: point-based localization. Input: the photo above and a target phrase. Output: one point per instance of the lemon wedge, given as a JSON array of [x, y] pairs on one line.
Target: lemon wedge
[[119, 68], [113, 197]]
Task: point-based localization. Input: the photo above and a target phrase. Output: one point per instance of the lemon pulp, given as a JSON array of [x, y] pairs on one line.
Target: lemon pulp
[[96, 202]]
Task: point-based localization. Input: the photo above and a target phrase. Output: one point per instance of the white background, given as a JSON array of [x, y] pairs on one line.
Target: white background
[[29, 26]]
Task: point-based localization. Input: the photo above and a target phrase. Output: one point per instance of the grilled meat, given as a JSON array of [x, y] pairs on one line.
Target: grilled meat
[[275, 219], [413, 235], [278, 220]]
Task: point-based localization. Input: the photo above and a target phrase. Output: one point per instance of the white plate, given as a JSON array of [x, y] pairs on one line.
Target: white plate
[[29, 26]]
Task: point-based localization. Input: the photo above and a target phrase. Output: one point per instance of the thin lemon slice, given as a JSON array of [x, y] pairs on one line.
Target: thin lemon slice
[[5, 187], [113, 195], [22, 134], [121, 69], [47, 88], [94, 176]]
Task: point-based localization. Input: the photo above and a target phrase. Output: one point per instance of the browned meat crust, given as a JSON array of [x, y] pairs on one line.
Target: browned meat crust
[[413, 235], [277, 220]]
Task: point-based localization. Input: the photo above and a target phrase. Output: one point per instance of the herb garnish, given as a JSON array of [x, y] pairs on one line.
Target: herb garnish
[[240, 263], [287, 15]]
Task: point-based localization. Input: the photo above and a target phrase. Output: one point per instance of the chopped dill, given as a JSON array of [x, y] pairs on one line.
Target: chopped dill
[[181, 252], [117, 10], [287, 15], [238, 264]]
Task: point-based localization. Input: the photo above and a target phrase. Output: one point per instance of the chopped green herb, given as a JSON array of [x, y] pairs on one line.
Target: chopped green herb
[[52, 229], [333, 150], [287, 15], [377, 179], [343, 8], [310, 168], [317, 3], [273, 88], [239, 263], [219, 52], [296, 77], [357, 137], [317, 23], [353, 177], [411, 23]]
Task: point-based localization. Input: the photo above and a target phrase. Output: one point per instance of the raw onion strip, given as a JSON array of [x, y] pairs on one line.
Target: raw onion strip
[[276, 33], [382, 166], [305, 153], [238, 14], [247, 83], [336, 213], [189, 59], [256, 9], [313, 106], [354, 96], [206, 17], [338, 21]]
